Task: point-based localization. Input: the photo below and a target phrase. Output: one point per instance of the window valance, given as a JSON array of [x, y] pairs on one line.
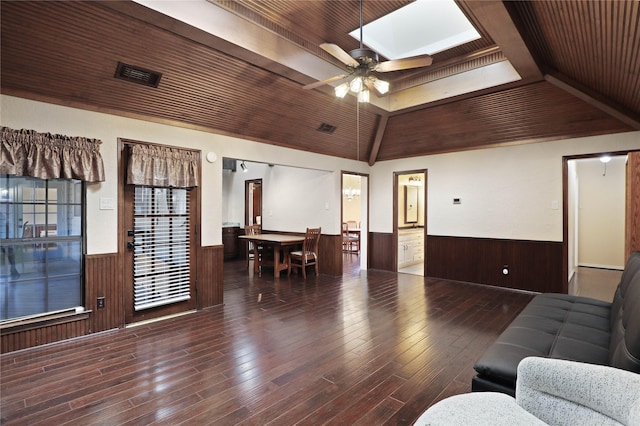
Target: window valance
[[47, 156], [154, 165]]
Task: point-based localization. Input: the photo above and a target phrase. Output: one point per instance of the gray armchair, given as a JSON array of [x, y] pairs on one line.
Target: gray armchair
[[548, 392]]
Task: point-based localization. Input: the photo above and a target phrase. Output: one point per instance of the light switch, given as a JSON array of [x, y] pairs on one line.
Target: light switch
[[107, 203], [554, 205]]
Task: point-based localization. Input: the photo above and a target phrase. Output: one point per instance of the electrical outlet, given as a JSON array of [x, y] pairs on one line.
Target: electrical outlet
[[101, 302]]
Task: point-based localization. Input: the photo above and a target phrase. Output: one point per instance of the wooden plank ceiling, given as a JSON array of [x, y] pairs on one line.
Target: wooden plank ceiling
[[580, 64]]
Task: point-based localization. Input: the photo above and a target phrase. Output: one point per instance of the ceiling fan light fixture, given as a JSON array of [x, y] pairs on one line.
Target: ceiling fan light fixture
[[381, 85], [342, 90], [363, 96], [357, 85]]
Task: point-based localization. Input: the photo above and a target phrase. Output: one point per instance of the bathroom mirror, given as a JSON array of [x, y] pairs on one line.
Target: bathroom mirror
[[411, 204]]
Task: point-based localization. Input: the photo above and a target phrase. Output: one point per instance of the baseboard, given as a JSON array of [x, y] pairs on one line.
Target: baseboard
[[598, 266]]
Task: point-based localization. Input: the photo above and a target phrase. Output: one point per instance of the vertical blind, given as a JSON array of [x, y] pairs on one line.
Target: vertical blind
[[161, 265]]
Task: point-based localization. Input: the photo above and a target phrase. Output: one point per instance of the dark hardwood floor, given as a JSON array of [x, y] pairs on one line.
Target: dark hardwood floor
[[366, 348]]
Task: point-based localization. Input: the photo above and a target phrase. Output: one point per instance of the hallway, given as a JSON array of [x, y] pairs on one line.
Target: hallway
[[594, 282]]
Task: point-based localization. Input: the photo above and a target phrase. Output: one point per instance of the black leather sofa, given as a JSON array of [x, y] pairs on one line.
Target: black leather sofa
[[568, 327]]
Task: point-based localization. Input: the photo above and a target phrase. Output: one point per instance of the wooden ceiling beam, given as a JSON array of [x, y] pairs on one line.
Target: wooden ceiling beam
[[594, 99], [382, 126], [238, 38], [493, 16]]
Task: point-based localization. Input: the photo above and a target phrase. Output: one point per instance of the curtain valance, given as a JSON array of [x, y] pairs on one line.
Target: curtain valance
[[47, 156], [154, 165]]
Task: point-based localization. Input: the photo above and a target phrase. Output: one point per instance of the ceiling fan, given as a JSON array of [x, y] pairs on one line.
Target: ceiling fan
[[361, 65]]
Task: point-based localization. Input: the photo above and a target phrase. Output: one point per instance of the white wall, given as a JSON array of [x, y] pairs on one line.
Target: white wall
[[102, 226], [293, 198], [506, 192], [233, 191], [601, 213], [509, 192]]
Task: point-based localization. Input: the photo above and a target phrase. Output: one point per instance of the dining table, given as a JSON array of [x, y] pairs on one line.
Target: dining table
[[281, 245]]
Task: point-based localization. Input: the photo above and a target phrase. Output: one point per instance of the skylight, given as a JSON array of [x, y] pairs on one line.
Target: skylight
[[422, 27]]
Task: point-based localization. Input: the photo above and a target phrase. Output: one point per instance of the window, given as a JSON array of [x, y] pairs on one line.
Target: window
[[41, 235], [161, 246]]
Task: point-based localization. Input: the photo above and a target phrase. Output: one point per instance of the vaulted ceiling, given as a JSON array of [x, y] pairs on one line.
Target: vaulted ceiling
[[578, 62]]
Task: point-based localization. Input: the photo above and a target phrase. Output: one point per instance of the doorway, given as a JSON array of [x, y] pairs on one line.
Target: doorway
[[158, 245], [410, 218], [354, 221], [597, 221], [253, 202]]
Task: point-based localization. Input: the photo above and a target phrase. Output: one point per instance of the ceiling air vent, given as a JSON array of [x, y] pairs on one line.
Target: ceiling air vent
[[138, 75], [326, 128]]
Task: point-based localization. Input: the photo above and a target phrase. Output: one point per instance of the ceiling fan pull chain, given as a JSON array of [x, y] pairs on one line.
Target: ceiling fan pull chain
[[357, 131], [361, 44]]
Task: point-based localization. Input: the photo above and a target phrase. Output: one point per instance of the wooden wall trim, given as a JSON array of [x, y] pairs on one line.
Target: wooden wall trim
[[209, 283], [330, 255], [533, 265], [103, 278], [382, 251], [19, 326], [47, 332]]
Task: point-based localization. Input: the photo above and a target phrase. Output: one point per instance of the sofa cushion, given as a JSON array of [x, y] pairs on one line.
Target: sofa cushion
[[561, 392], [489, 408], [553, 326], [624, 351]]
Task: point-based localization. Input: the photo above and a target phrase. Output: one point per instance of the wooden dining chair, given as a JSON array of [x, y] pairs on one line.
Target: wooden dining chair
[[251, 230], [349, 240], [308, 256]]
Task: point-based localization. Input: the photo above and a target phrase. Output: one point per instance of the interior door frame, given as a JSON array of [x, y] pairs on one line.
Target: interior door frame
[[364, 232], [396, 189], [632, 195], [247, 194]]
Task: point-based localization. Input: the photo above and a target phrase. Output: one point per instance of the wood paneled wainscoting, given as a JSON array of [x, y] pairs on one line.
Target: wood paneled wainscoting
[[103, 279], [531, 265], [330, 255], [209, 287], [49, 329], [382, 251]]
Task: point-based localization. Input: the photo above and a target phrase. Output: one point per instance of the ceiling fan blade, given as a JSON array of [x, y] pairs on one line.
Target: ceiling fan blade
[[327, 81], [404, 64], [337, 52]]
